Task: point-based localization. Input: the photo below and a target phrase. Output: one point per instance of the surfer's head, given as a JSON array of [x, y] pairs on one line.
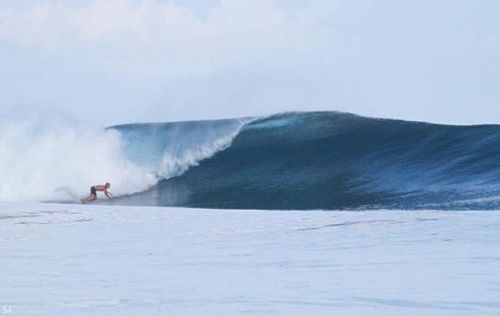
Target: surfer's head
[[108, 185]]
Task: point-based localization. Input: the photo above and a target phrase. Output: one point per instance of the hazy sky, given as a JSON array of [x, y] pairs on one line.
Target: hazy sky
[[115, 61]]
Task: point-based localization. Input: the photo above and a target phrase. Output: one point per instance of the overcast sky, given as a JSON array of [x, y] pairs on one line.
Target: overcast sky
[[116, 61]]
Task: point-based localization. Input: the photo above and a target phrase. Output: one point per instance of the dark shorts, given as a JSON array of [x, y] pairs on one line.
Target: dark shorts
[[93, 191]]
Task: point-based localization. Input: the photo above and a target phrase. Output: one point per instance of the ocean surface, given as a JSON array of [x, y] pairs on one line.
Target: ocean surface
[[315, 160], [116, 260]]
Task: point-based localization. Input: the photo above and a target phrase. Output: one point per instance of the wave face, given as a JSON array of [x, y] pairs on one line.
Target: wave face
[[316, 160]]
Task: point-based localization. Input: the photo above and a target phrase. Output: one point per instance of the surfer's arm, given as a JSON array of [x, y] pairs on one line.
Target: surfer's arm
[[108, 194]]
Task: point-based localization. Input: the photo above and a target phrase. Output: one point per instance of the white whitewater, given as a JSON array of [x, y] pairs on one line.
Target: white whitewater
[[42, 161]]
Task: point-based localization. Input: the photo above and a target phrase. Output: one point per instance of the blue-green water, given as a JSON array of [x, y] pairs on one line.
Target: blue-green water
[[320, 160]]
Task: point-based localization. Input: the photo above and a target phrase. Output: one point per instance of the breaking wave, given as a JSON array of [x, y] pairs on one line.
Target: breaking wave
[[312, 160], [331, 160], [56, 161]]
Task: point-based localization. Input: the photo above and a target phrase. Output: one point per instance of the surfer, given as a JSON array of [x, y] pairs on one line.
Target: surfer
[[93, 192]]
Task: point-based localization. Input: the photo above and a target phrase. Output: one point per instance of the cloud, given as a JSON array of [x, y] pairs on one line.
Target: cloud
[[131, 35], [118, 61], [98, 58]]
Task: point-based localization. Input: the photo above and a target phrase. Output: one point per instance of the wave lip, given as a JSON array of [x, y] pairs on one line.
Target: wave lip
[[327, 160], [169, 149]]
